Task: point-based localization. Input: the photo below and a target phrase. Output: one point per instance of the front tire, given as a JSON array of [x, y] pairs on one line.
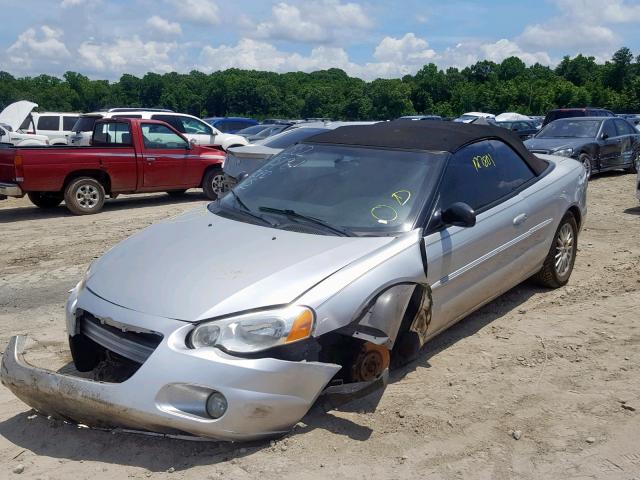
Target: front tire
[[213, 183], [635, 163], [586, 161], [84, 196], [45, 200], [558, 265]]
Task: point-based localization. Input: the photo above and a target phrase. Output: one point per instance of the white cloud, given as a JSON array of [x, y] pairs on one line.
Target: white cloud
[[71, 3], [130, 55], [598, 11], [322, 21], [260, 55], [468, 53], [164, 26], [30, 47], [199, 12], [408, 49]]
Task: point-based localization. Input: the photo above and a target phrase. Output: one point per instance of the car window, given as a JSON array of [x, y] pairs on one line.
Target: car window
[[224, 126], [195, 127], [173, 120], [482, 173], [609, 129], [160, 136], [49, 122], [623, 127], [111, 134], [68, 123]]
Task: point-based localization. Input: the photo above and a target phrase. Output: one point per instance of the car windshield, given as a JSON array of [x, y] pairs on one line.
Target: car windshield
[[571, 129], [252, 130], [84, 124], [288, 138], [367, 191], [465, 118]]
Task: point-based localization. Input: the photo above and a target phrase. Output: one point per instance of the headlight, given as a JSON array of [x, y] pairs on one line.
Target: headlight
[[564, 152], [255, 332]]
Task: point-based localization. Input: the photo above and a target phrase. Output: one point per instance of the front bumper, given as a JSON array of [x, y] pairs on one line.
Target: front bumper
[[265, 397], [10, 190]]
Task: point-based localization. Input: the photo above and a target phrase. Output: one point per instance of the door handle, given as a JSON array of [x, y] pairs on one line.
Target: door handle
[[150, 159], [520, 219]]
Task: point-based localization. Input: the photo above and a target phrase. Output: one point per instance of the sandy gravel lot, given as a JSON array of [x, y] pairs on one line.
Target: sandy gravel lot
[[561, 367]]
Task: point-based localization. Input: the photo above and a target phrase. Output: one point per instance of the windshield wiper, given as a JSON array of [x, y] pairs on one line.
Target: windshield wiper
[[247, 210], [345, 232]]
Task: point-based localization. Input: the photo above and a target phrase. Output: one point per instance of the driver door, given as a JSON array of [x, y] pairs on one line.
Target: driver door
[[468, 267], [164, 157]]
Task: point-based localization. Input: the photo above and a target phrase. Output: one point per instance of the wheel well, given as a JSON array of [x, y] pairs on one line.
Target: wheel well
[[576, 214], [99, 175]]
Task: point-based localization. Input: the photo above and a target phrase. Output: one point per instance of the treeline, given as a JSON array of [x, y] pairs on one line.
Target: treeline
[[485, 86]]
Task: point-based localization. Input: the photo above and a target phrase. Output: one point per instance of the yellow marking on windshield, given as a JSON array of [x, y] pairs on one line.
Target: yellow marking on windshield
[[401, 196], [384, 213], [483, 161]]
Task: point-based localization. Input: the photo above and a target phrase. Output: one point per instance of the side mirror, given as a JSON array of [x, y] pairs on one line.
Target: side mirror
[[515, 129], [459, 214], [605, 135], [192, 143]]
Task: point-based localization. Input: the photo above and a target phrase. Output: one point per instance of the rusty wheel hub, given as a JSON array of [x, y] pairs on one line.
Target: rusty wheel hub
[[370, 362]]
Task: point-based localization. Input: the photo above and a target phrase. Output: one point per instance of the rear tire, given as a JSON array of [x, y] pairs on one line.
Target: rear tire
[[45, 199], [586, 161], [84, 196], [558, 265], [176, 193], [213, 183]]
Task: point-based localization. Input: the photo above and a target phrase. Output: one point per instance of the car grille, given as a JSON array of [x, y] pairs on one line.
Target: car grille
[[135, 346]]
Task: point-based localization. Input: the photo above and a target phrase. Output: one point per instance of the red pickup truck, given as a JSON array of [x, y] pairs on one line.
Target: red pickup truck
[[125, 156]]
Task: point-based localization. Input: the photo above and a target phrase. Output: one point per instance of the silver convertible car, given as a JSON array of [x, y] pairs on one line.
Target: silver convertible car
[[336, 260]]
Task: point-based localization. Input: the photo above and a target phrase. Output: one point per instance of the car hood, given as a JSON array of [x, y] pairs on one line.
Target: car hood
[[553, 144], [200, 265], [16, 113]]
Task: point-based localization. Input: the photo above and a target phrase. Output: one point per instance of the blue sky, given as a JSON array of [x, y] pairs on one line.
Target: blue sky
[[368, 38]]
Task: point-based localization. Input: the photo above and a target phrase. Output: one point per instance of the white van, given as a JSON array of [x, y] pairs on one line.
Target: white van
[[53, 125], [191, 127]]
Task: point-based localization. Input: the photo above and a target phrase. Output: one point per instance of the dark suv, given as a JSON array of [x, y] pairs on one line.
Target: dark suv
[[576, 112]]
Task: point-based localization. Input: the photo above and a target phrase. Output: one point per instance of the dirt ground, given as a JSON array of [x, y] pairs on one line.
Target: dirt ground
[[560, 367]]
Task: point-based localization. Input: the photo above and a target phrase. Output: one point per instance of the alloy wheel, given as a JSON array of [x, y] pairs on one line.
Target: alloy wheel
[[564, 250], [218, 185], [87, 196]]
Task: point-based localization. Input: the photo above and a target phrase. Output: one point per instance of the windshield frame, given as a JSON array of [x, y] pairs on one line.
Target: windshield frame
[[415, 219]]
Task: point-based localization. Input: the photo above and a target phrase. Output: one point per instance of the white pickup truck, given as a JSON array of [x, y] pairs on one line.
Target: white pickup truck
[[11, 118]]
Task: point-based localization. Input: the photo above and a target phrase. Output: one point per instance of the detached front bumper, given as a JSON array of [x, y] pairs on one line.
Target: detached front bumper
[[10, 190], [168, 392]]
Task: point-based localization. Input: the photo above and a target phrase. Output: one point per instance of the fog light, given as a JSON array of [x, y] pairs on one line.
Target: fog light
[[216, 405]]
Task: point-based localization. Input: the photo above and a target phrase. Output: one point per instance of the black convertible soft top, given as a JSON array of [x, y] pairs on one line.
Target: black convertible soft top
[[425, 135]]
